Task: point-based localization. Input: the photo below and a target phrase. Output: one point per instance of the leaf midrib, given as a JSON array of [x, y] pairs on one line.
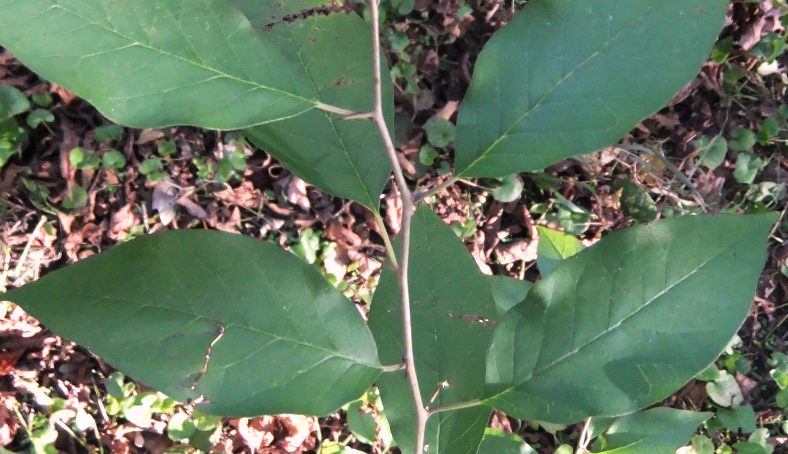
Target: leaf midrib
[[196, 64], [611, 328], [226, 325], [555, 87]]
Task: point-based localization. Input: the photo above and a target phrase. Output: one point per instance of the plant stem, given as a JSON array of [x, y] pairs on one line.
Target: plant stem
[[582, 442], [386, 240], [457, 406], [427, 193], [407, 215]]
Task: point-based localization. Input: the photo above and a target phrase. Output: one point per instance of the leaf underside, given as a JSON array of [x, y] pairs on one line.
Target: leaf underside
[[233, 322], [616, 328], [567, 77], [452, 313]]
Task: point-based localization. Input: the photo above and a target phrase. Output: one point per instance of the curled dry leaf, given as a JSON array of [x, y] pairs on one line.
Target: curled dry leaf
[[8, 421], [523, 250], [296, 193], [121, 223], [257, 433], [298, 428]]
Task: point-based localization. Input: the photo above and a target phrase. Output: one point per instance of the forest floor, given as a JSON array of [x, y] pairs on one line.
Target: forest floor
[[719, 146]]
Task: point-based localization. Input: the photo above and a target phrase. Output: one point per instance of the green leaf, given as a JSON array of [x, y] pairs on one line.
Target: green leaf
[[508, 292], [635, 201], [725, 390], [236, 324], [564, 78], [742, 140], [747, 167], [180, 427], [627, 313], [712, 151], [440, 132], [39, 117], [656, 431], [701, 444], [108, 133], [149, 64], [150, 166], [113, 159], [361, 424], [452, 311], [739, 418], [12, 102], [76, 198], [553, 248], [496, 441], [343, 158], [511, 189]]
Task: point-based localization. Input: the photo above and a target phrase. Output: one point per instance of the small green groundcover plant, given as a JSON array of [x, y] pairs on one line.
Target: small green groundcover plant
[[239, 327]]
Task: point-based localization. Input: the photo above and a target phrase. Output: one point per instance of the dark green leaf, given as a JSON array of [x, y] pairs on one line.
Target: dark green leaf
[[511, 189], [148, 63], [627, 313], [508, 292], [747, 167], [566, 78], [496, 441], [656, 431], [344, 158], [635, 201], [452, 313], [742, 139], [712, 151], [108, 133], [361, 424], [237, 324], [113, 159], [76, 198], [38, 117], [440, 132], [739, 418], [553, 248], [12, 102]]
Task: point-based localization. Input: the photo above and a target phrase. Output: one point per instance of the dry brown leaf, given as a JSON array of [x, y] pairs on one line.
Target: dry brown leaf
[[257, 433], [523, 250], [296, 193], [298, 428], [121, 223], [8, 421]]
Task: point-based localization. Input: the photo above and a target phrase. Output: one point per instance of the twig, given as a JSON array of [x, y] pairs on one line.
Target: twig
[[386, 240], [582, 443], [457, 406], [427, 193], [407, 214], [29, 244]]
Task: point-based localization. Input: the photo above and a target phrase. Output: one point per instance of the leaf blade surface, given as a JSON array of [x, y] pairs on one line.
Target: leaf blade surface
[[231, 321], [625, 313], [565, 78]]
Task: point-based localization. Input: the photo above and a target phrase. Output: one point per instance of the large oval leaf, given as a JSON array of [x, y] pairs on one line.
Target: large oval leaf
[[657, 431], [452, 314], [344, 158], [623, 324], [567, 77], [148, 63], [233, 322]]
